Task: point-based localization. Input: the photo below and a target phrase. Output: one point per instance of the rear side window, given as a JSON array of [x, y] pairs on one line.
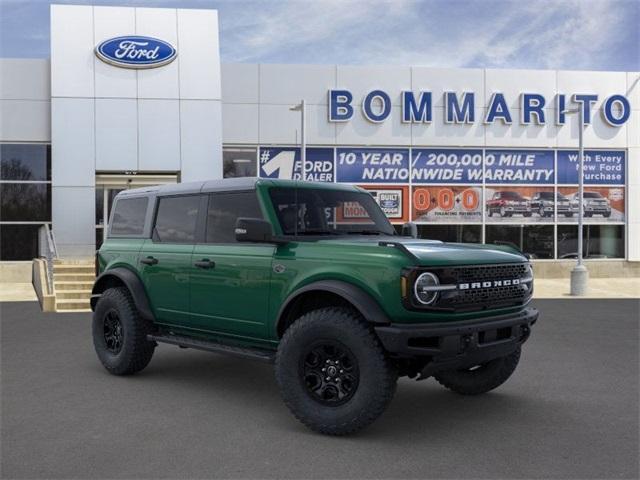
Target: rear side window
[[224, 210], [128, 216], [176, 219]]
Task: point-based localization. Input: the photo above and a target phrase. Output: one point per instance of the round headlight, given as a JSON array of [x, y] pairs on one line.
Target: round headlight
[[424, 294]]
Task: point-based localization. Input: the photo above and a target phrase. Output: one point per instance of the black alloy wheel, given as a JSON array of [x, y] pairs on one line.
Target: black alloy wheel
[[330, 373], [112, 331]]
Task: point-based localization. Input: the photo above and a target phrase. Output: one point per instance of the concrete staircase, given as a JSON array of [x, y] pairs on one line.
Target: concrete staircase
[[72, 283]]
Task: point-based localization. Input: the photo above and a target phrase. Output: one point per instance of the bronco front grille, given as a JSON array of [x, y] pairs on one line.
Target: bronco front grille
[[478, 287], [488, 272]]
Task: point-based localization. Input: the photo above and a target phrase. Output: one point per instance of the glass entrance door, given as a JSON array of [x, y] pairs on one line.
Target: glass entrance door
[[109, 185], [104, 201]]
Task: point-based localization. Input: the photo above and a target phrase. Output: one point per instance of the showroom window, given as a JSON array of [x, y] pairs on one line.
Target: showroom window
[[239, 162], [522, 197], [598, 241], [534, 240], [25, 198], [451, 233]]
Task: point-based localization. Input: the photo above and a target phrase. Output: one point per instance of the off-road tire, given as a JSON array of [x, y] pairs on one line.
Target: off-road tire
[[481, 380], [136, 351], [376, 380]]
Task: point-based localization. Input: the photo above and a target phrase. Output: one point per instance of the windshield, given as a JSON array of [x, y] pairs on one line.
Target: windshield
[[592, 195], [546, 195], [318, 211], [512, 196]]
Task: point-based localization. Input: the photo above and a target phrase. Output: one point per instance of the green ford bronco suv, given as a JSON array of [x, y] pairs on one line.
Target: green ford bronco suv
[[313, 278]]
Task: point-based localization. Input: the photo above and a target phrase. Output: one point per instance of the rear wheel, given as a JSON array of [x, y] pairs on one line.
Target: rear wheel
[[332, 372], [480, 378], [120, 333]]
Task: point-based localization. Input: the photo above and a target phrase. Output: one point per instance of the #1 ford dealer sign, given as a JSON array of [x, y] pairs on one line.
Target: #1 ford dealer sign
[[134, 51]]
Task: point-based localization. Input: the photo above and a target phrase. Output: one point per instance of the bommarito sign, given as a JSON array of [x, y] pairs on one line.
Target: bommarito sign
[[460, 108]]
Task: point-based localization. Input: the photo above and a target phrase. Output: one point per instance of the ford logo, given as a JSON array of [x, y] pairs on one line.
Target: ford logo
[[134, 51]]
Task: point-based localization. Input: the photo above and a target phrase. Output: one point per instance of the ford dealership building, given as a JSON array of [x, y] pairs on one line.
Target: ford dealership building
[[470, 155]]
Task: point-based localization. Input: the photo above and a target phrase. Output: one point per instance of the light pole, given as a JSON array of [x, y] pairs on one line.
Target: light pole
[[303, 139], [580, 274]]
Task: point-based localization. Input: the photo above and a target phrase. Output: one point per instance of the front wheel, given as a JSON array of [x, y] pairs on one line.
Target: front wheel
[[120, 333], [480, 378], [333, 373]]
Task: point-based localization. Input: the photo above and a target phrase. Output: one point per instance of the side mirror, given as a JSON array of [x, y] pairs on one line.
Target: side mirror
[[253, 230], [410, 229]]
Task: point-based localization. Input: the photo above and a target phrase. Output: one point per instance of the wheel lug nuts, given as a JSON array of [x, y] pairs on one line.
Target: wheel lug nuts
[[328, 379], [324, 369], [341, 371]]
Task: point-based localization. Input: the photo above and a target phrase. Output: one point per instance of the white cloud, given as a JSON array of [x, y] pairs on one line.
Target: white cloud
[[527, 34], [274, 28]]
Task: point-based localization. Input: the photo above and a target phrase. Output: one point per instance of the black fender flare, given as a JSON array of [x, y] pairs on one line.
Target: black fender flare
[[361, 300], [131, 281]]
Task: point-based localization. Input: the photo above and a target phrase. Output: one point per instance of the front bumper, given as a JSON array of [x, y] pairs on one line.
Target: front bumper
[[517, 209], [597, 209], [566, 209], [448, 346]]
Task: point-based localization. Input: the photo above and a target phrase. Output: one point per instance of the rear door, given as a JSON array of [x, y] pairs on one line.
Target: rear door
[[230, 281], [165, 259]]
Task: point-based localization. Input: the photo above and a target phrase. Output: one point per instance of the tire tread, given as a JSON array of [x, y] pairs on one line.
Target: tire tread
[[137, 350], [342, 318]]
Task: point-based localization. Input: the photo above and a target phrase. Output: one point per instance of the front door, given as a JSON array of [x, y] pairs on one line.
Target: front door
[[108, 185], [230, 281], [165, 259]]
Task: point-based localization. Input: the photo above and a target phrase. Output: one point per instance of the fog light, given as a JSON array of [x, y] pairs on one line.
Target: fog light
[[426, 288]]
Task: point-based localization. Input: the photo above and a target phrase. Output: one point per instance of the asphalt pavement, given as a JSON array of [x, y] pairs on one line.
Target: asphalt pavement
[[569, 411]]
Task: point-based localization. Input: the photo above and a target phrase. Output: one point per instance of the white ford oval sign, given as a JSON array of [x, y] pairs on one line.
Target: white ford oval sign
[[134, 51]]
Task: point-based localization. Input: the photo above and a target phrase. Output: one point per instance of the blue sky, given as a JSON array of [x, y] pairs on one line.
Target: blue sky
[[560, 34]]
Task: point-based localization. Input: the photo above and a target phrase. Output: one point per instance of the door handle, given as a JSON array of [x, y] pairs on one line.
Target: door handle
[[149, 260], [205, 263]]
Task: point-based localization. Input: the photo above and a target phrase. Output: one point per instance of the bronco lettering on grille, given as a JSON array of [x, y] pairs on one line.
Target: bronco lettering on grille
[[489, 284]]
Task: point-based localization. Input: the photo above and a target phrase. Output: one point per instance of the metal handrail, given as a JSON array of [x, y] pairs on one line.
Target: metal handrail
[[48, 250]]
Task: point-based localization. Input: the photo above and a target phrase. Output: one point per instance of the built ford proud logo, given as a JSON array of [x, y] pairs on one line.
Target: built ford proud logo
[[134, 51]]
